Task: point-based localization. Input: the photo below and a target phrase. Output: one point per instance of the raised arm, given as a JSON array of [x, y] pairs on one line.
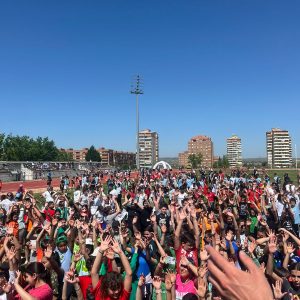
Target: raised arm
[[97, 263]]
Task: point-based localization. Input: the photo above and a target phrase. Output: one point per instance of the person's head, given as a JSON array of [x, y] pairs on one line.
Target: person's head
[[57, 214], [111, 285], [293, 202], [164, 209], [62, 244], [294, 277], [35, 272], [148, 233], [184, 271], [14, 216], [252, 212], [190, 296], [188, 241], [51, 204], [27, 202]]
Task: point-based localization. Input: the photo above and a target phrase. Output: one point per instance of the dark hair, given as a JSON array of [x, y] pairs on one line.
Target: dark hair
[[295, 266], [112, 281], [39, 269], [189, 296], [187, 237]]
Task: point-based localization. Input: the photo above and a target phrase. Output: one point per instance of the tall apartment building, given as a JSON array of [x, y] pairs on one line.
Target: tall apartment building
[[148, 145], [78, 155], [234, 151], [198, 144], [183, 159], [279, 148]]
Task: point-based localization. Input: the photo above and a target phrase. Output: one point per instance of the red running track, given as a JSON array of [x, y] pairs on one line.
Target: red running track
[[37, 184], [28, 185]]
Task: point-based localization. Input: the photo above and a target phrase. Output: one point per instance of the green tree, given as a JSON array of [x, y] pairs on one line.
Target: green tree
[[195, 160], [24, 148], [92, 155], [2, 138], [225, 162], [64, 156]]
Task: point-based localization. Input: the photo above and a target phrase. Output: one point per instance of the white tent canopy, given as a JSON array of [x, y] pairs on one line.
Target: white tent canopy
[[162, 165]]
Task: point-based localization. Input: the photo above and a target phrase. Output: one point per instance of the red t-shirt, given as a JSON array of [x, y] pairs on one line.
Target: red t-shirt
[[189, 254], [43, 292], [85, 283], [49, 214], [124, 294]]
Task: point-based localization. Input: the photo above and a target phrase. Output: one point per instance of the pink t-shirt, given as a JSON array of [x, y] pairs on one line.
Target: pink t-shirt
[[184, 288], [43, 292]]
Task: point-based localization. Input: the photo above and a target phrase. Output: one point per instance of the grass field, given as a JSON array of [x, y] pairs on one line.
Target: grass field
[[293, 174]]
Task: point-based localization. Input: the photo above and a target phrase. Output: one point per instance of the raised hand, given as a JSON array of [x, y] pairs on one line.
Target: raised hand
[[48, 252], [105, 244], [116, 246], [277, 289], [202, 287], [272, 246], [17, 279], [235, 284], [71, 277], [6, 288], [77, 257], [204, 255], [182, 215], [10, 230], [134, 220], [290, 248], [35, 224], [251, 247], [184, 261], [156, 282], [11, 253], [172, 276], [141, 281]]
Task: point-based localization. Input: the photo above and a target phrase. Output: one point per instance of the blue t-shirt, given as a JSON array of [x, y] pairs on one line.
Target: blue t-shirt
[[143, 267]]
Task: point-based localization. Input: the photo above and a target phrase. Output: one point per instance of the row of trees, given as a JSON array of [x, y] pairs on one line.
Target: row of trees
[[195, 161], [25, 148]]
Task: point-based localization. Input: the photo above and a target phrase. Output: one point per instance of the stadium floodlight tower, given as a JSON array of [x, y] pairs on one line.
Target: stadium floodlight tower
[[137, 90]]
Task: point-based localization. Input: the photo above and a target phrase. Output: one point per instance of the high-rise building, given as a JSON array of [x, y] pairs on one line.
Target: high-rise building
[[234, 151], [148, 146], [183, 159], [279, 148], [199, 144]]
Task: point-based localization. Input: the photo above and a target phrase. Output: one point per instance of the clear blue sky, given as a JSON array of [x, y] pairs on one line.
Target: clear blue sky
[[209, 67]]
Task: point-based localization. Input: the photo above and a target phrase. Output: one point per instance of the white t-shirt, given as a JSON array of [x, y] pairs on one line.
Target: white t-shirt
[[48, 197], [77, 195], [180, 197], [6, 204]]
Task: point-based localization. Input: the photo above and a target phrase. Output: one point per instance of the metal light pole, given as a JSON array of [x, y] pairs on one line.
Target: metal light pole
[[296, 156], [136, 89]]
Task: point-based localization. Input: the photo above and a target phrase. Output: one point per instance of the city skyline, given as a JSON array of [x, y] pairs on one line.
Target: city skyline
[[211, 68]]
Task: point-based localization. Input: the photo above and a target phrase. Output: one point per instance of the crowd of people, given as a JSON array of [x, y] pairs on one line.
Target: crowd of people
[[158, 235]]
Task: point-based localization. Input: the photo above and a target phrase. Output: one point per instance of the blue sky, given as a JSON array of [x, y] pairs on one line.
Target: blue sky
[[209, 67]]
